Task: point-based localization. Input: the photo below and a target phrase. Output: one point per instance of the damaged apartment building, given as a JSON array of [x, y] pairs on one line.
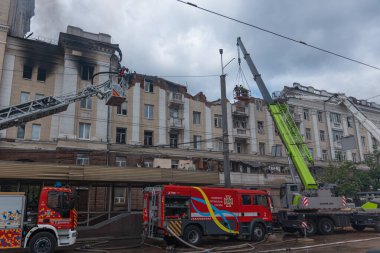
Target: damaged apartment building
[[161, 134]]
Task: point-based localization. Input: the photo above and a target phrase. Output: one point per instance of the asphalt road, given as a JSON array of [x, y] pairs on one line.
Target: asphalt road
[[342, 241]]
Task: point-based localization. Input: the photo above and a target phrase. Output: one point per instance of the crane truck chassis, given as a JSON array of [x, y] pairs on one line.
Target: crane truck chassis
[[312, 208]]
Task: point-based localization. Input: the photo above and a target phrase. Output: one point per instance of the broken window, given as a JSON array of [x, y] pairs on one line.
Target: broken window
[[148, 86], [122, 109], [27, 72], [41, 75], [87, 72]]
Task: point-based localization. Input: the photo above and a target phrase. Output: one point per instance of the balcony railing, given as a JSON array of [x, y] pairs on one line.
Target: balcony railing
[[297, 117], [241, 132], [176, 98], [176, 123]]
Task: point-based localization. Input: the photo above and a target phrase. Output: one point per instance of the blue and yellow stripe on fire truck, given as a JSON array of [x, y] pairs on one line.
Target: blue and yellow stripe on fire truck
[[213, 211]]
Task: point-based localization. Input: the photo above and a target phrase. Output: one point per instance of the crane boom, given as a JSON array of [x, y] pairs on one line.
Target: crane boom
[[288, 131]]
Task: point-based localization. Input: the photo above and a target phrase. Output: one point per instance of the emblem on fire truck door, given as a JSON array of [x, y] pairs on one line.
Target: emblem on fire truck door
[[228, 201]]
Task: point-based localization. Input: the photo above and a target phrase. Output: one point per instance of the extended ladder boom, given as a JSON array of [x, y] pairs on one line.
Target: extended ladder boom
[[22, 113], [288, 131], [342, 99]]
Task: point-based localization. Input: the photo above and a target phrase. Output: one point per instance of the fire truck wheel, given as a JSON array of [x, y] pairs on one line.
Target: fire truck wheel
[[43, 242], [193, 235], [358, 227], [325, 226], [258, 232]]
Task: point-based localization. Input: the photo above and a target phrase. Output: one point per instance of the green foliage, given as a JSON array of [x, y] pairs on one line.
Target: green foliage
[[349, 179]]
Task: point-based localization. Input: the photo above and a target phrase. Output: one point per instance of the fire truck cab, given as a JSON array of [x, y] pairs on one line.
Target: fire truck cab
[[190, 212]]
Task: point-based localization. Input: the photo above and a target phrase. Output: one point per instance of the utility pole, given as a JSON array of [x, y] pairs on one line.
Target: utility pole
[[226, 160]]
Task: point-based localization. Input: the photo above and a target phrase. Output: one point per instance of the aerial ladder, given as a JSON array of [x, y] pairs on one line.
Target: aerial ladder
[[113, 93], [312, 196]]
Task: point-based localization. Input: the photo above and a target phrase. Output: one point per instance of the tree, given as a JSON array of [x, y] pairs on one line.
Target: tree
[[345, 176]]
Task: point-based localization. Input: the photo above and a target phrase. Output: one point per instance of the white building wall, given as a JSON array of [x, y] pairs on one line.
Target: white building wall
[[345, 133], [331, 137], [136, 114], [162, 138], [270, 126], [55, 118], [252, 128], [208, 127], [6, 84], [229, 127], [101, 111], [370, 142], [358, 136], [186, 121], [70, 84], [317, 144]]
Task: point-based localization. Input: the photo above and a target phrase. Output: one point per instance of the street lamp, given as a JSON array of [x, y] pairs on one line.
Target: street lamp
[[226, 160]]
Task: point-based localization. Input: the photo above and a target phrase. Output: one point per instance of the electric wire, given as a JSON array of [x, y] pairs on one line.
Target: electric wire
[[280, 35]]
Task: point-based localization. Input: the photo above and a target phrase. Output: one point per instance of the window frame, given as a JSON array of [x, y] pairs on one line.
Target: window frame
[[121, 136], [41, 75], [122, 110], [148, 111], [196, 118], [19, 133], [27, 72], [148, 86], [148, 138], [87, 71], [84, 133], [82, 159], [39, 132], [197, 142]]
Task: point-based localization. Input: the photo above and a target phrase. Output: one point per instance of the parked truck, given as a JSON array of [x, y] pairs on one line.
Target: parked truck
[[308, 206], [190, 212], [53, 226]]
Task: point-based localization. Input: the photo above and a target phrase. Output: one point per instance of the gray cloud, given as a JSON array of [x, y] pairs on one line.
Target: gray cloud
[[167, 38]]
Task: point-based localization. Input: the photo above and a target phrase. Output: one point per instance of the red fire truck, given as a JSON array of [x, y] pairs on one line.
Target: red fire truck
[[53, 225], [189, 212]]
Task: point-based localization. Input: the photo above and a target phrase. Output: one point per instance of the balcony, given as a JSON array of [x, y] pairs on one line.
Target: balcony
[[336, 125], [238, 110], [338, 144], [297, 117], [176, 98], [175, 123], [241, 133]]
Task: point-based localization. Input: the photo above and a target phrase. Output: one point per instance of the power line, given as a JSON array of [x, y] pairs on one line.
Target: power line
[[280, 35]]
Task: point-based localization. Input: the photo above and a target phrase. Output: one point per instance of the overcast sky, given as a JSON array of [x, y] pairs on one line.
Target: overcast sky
[[168, 38]]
